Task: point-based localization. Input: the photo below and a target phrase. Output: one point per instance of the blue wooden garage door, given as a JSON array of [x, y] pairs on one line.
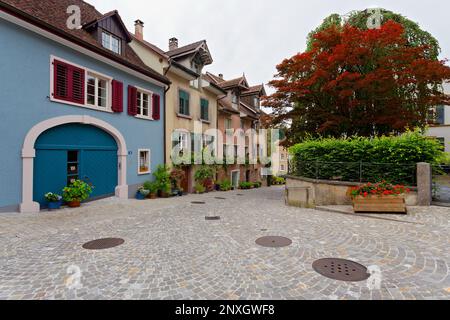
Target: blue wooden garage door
[[75, 151]]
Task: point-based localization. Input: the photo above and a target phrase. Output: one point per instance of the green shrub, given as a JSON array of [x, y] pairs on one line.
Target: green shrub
[[390, 158], [203, 173], [199, 188], [257, 184], [245, 185], [151, 186], [278, 180], [225, 185], [162, 178]]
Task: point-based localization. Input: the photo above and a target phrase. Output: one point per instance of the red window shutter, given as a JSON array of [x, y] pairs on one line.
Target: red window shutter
[[68, 82], [76, 84], [60, 80], [132, 101], [117, 96], [156, 107]]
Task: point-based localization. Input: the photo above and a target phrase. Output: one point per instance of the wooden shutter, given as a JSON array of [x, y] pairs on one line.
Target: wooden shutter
[[132, 101], [117, 96], [204, 109], [156, 107], [68, 82]]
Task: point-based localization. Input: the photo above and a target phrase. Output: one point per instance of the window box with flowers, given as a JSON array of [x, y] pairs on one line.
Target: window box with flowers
[[379, 197]]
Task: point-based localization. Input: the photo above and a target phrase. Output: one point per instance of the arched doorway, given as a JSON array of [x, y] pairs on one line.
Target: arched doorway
[[29, 153], [74, 151]]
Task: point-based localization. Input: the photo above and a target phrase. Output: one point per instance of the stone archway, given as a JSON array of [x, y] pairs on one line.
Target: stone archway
[[29, 153]]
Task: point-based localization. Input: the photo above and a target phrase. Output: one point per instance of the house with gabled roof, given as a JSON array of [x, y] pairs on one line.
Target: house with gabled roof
[[240, 109], [77, 104], [191, 100]]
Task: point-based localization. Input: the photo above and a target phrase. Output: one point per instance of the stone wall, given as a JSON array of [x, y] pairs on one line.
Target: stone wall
[[309, 193]]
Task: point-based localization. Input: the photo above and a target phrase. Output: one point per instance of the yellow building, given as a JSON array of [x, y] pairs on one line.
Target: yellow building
[[191, 100]]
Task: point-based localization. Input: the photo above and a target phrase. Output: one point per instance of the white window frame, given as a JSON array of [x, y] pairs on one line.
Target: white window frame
[[150, 104], [111, 37], [148, 162], [86, 71], [108, 80], [184, 140]]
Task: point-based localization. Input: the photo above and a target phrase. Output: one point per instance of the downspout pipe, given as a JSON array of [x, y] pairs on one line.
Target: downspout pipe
[[165, 113]]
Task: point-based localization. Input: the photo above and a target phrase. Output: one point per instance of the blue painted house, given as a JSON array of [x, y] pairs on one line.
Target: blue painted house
[[75, 103]]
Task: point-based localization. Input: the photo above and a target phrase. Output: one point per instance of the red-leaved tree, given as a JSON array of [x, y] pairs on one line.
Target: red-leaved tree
[[357, 82]]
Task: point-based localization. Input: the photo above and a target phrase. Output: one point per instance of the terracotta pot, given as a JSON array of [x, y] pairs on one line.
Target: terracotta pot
[[152, 196], [74, 204]]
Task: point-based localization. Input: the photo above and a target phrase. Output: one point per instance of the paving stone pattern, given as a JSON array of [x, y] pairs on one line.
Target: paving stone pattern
[[172, 252]]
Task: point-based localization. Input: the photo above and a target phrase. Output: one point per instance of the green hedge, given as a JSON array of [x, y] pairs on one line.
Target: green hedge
[[365, 159]]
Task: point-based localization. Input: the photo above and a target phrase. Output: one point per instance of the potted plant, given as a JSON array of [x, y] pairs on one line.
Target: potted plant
[[199, 188], [379, 197], [142, 193], [162, 179], [204, 175], [152, 187], [176, 176], [54, 200], [257, 184], [245, 185], [225, 185], [77, 192]]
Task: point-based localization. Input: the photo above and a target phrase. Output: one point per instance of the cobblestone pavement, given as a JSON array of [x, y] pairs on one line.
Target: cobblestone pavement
[[172, 252]]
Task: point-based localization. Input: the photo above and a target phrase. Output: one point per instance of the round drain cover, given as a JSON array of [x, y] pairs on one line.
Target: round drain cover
[[274, 242], [103, 243], [212, 218], [340, 269], [198, 202]]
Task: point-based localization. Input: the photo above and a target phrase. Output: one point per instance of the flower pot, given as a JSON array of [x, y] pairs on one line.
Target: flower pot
[[74, 204], [180, 193], [164, 194], [140, 196], [152, 196], [54, 205], [379, 204]]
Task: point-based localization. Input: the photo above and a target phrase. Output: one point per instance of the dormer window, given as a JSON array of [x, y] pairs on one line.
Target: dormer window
[[111, 42], [234, 100]]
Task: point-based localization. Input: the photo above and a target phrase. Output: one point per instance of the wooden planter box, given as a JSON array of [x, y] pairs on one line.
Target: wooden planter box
[[383, 204]]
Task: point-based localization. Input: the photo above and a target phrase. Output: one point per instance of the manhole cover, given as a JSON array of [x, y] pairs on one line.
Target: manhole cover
[[274, 242], [198, 202], [340, 269], [221, 198], [212, 218], [103, 243]]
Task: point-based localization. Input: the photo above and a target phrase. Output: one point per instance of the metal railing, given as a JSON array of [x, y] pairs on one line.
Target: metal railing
[[405, 173]]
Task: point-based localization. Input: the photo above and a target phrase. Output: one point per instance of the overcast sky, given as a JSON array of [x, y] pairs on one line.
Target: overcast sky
[[253, 36]]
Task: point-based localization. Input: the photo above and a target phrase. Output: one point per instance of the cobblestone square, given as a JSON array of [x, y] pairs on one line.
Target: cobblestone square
[[172, 252]]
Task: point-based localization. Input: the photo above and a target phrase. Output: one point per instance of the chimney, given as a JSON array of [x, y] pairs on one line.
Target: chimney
[[173, 44], [139, 29], [220, 75]]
